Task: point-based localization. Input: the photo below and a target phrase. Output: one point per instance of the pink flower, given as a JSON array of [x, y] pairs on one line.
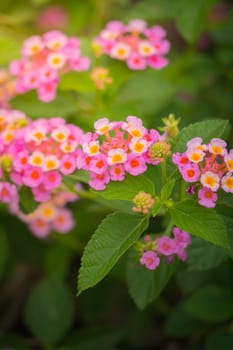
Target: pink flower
[[32, 46], [207, 198], [182, 238], [52, 179], [135, 165], [98, 164], [47, 91], [136, 62], [157, 62], [116, 156], [33, 177], [63, 221], [217, 146], [99, 181], [137, 25], [52, 17], [166, 246], [39, 228], [190, 172], [7, 192], [229, 160], [47, 74], [227, 182], [150, 260], [180, 159], [210, 180], [21, 161], [41, 194], [80, 64], [117, 172], [68, 164]]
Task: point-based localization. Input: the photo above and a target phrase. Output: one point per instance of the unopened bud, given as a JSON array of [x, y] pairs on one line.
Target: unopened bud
[[159, 150], [21, 123], [171, 126], [97, 48], [6, 163], [143, 202]]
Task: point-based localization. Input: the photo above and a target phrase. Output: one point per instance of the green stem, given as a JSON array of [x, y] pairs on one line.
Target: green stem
[[164, 171], [169, 228]]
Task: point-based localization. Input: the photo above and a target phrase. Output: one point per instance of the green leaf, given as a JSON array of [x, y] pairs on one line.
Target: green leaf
[[112, 239], [145, 285], [199, 221], [158, 91], [226, 213], [207, 129], [94, 338], [157, 206], [210, 303], [49, 311], [220, 338], [180, 324], [63, 105], [127, 189], [190, 19], [9, 48], [27, 202], [77, 81], [167, 190], [203, 255]]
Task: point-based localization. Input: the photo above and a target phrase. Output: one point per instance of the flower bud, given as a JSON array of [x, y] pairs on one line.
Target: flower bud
[[143, 202], [159, 150], [171, 126], [6, 163]]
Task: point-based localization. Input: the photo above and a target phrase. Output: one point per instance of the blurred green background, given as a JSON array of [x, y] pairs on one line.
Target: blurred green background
[[38, 304]]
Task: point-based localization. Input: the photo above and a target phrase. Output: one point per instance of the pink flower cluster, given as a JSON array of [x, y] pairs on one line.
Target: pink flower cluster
[[37, 154], [116, 148], [151, 250], [42, 153], [44, 59], [135, 43], [51, 215], [208, 166]]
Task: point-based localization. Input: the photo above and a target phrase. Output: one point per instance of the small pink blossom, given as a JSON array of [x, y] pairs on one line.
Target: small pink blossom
[[210, 180], [166, 246], [227, 182], [190, 172], [135, 165], [117, 172], [67, 164], [150, 260], [63, 221], [52, 179], [136, 62], [207, 198], [33, 177]]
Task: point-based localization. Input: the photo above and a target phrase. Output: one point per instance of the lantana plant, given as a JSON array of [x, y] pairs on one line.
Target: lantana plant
[[161, 186]]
